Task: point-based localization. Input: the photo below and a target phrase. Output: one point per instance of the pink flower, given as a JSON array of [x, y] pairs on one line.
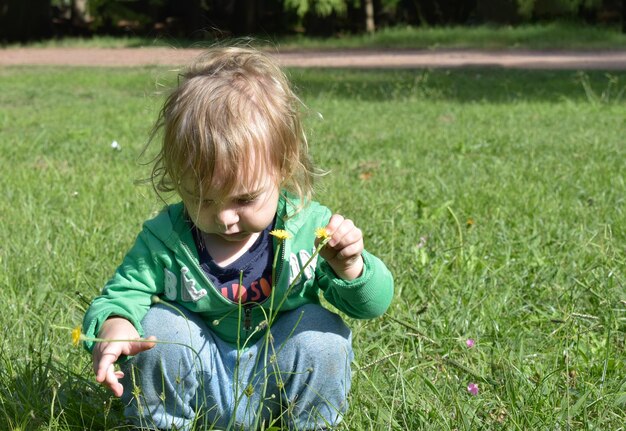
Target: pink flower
[[472, 388], [470, 342]]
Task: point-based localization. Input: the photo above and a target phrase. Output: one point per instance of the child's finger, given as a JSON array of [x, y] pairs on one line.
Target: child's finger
[[140, 346], [346, 235], [112, 382], [102, 362], [350, 251], [338, 227]]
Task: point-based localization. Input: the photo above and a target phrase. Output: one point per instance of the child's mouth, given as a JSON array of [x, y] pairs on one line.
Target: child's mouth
[[233, 236]]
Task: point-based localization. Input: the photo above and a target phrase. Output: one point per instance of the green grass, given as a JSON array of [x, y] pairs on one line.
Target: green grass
[[497, 199], [555, 35], [545, 36]]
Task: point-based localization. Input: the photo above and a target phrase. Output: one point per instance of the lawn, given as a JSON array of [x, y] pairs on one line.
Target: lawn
[[496, 197], [557, 35]]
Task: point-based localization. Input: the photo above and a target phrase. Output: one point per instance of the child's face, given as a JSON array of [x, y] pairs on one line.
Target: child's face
[[239, 215]]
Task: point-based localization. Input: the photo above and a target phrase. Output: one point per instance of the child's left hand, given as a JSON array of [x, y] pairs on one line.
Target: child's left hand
[[343, 251]]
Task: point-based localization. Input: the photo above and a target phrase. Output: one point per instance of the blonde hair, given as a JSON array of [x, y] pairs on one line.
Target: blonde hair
[[233, 118]]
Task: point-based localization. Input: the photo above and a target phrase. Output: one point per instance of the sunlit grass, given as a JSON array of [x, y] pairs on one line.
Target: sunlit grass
[[554, 35], [497, 199]]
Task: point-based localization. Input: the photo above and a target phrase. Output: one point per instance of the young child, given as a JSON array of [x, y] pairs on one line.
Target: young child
[[231, 336]]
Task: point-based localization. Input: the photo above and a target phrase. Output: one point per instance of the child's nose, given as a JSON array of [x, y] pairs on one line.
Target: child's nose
[[227, 217]]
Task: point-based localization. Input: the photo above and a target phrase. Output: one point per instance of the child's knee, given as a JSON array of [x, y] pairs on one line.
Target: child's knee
[[320, 339], [166, 323], [328, 352], [181, 338], [152, 322], [314, 317]]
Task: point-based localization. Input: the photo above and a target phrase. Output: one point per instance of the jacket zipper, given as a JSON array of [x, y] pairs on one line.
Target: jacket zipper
[[247, 308], [247, 319]]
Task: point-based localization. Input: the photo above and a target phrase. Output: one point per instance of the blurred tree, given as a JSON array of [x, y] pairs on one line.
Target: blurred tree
[[245, 16], [79, 12], [370, 25], [21, 21], [501, 11], [561, 8], [438, 12], [192, 17], [129, 16], [339, 8], [321, 8]]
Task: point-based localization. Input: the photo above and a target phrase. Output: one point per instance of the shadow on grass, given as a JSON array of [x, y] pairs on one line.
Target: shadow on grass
[[467, 85], [462, 85], [39, 393]]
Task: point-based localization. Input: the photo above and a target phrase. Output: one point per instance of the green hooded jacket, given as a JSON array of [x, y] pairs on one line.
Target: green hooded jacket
[[163, 263]]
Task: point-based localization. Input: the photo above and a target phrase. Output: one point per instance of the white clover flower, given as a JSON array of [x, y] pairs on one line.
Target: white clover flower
[[116, 146]]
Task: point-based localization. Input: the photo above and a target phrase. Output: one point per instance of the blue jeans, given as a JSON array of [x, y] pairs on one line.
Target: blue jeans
[[302, 379]]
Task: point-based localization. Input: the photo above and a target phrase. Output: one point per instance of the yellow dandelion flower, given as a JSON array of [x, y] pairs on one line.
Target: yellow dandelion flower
[[281, 234], [76, 335], [322, 233]]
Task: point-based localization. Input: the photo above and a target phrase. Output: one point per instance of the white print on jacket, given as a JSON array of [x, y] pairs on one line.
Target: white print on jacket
[[296, 262], [188, 286]]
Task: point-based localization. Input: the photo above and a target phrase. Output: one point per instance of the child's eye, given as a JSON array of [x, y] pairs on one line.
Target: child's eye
[[207, 202], [248, 200]]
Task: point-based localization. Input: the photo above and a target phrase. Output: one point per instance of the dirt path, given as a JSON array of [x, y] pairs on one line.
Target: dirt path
[[127, 57]]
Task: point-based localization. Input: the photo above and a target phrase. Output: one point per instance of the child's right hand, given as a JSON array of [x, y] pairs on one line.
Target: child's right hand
[[105, 354]]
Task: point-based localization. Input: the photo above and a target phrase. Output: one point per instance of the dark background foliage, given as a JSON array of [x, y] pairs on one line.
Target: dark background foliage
[[26, 20]]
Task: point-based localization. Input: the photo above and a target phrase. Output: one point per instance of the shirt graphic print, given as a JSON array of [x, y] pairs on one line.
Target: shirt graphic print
[[249, 278]]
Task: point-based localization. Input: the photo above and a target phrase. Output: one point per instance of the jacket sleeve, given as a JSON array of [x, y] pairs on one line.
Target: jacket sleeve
[[365, 297], [128, 293]]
